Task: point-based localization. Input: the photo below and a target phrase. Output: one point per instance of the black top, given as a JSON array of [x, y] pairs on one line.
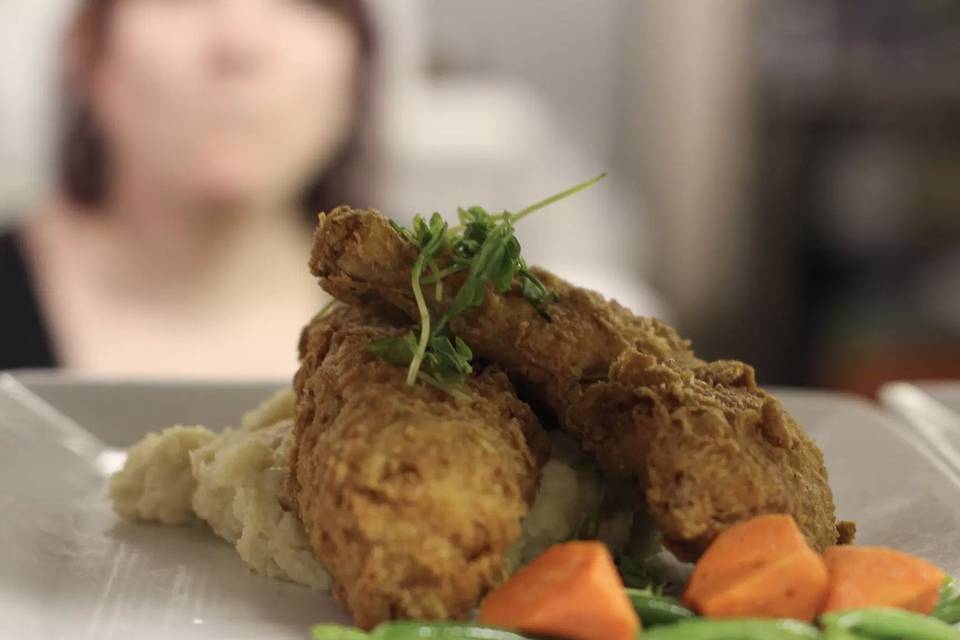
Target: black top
[[24, 341]]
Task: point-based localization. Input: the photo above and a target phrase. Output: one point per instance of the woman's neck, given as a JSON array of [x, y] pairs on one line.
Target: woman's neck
[[167, 247], [224, 296]]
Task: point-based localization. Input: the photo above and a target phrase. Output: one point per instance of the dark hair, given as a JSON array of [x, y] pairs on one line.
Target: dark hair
[[83, 157]]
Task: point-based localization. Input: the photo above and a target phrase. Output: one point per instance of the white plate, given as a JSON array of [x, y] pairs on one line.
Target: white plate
[[70, 569], [933, 410], [900, 396]]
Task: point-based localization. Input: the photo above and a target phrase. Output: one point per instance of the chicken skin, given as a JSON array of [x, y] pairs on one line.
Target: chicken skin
[[410, 497], [708, 446]]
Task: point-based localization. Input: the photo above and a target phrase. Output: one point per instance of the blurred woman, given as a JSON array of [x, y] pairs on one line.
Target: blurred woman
[[201, 139]]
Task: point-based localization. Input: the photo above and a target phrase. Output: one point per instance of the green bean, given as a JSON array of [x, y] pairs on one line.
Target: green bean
[[337, 632], [654, 610], [733, 629], [837, 633], [949, 613], [412, 630], [948, 608], [408, 630], [891, 624]]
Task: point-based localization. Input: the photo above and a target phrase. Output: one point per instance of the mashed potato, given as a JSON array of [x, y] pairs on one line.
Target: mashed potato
[[157, 484], [557, 512], [241, 494], [573, 499], [234, 481], [277, 407]]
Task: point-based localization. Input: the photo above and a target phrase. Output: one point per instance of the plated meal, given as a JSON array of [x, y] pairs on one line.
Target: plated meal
[[467, 432]]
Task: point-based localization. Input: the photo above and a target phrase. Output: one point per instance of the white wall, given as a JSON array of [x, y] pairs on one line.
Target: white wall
[[501, 103], [570, 51], [30, 33], [687, 137]]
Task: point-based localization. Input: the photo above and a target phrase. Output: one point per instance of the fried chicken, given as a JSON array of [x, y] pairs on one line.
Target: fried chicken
[[708, 446], [410, 497]]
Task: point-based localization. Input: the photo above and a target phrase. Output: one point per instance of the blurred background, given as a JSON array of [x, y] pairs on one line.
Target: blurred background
[[784, 175]]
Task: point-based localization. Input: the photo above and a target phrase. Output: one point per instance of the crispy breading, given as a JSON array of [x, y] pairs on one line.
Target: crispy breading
[[410, 497], [709, 447], [718, 450]]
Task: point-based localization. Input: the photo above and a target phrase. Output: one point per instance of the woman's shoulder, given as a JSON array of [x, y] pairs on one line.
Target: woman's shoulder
[[13, 268], [23, 336]]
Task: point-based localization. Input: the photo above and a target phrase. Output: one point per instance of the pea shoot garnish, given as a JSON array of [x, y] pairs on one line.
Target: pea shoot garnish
[[483, 245]]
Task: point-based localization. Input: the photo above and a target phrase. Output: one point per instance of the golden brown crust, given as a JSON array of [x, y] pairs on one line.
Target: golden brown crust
[[410, 497], [721, 450], [846, 532], [709, 446]]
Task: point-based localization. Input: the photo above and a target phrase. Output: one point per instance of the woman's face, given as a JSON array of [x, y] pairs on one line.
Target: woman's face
[[229, 103]]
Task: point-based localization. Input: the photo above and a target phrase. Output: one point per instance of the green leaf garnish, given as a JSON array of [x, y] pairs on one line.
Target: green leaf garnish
[[638, 573], [444, 364], [431, 238], [486, 247], [398, 351], [546, 202]]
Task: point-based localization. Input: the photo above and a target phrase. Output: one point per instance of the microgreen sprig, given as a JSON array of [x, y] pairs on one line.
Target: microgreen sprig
[[486, 247]]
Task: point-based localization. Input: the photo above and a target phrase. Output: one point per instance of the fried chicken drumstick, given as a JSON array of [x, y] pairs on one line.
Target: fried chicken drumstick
[[410, 497], [709, 447]]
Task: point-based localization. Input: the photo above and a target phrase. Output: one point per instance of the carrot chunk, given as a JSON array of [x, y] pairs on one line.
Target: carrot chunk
[[572, 591], [862, 577], [761, 568]]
